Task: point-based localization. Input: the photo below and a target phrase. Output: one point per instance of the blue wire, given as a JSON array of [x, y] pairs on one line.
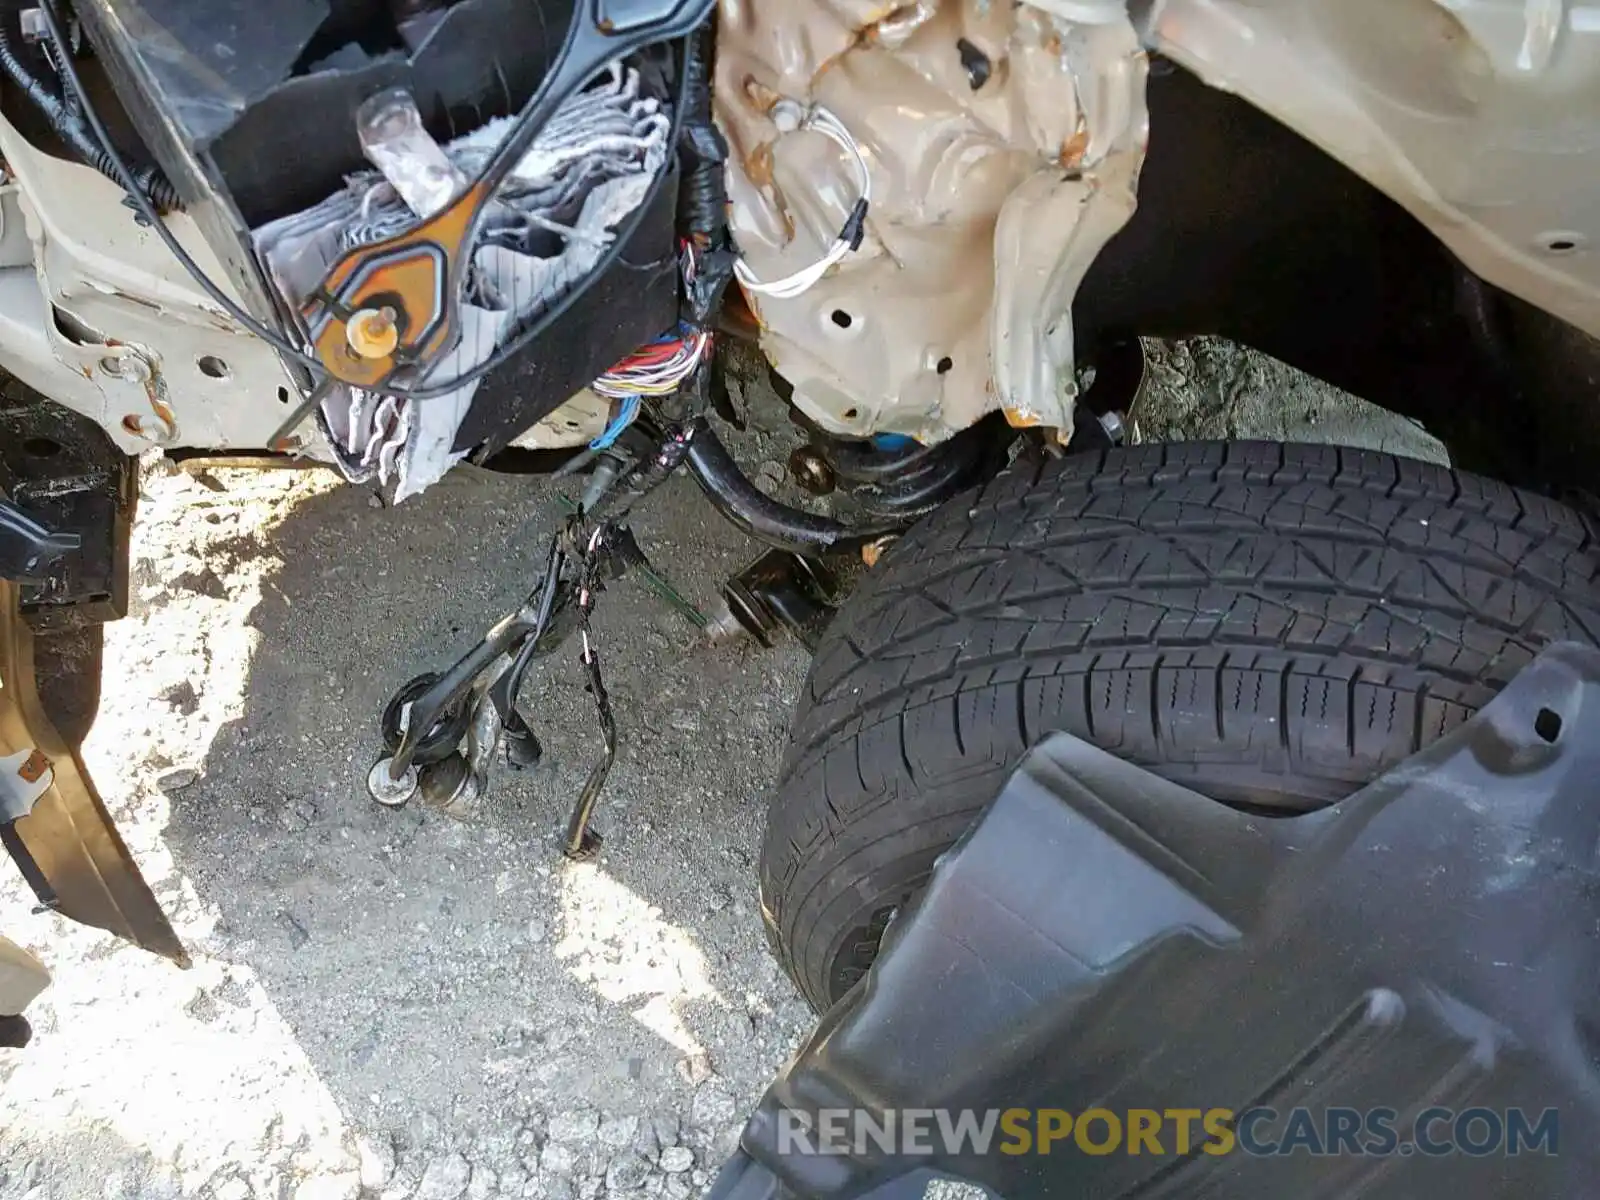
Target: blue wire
[[630, 404], [624, 418]]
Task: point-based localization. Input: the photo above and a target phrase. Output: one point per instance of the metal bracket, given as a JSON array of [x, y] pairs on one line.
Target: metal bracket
[[29, 547]]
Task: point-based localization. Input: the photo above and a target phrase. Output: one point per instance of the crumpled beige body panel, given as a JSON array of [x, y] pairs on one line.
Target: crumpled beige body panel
[[988, 204]]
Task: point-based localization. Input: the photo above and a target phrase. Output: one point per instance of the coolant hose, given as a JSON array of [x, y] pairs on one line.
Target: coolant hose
[[757, 514], [70, 127]]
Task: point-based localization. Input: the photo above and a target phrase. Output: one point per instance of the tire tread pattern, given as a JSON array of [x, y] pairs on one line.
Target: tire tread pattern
[[1272, 624]]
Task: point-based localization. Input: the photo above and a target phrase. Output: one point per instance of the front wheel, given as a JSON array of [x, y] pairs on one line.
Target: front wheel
[[1270, 625]]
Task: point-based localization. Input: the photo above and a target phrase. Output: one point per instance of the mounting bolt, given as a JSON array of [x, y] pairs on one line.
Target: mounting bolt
[[788, 115], [373, 332], [386, 789], [1116, 429], [811, 471]]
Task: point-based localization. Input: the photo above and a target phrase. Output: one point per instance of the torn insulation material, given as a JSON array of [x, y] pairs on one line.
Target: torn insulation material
[[586, 171]]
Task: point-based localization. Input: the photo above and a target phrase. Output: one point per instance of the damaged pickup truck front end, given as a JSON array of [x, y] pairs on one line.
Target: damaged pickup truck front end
[[388, 237]]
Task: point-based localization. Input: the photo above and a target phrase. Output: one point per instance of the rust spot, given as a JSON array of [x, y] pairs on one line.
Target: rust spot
[[860, 38], [754, 305], [887, 15], [32, 770], [133, 425], [1018, 419], [1074, 148], [874, 550], [758, 165], [86, 372], [154, 390], [759, 94]]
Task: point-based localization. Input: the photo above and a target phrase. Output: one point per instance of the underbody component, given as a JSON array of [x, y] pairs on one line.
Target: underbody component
[[65, 844], [592, 164], [894, 478], [1003, 143], [1425, 948], [60, 468], [783, 590], [759, 515], [423, 725]]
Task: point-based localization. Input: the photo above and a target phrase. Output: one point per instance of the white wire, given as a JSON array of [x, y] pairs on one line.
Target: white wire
[[656, 379], [829, 126]]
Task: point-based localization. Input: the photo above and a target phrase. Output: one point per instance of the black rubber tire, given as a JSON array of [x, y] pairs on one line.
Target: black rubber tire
[[1271, 625]]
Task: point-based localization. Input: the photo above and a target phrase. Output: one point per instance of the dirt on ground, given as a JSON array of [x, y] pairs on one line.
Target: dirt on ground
[[392, 1003]]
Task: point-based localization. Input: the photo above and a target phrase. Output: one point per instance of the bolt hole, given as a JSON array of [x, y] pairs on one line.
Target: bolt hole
[[842, 319], [943, 366], [213, 367], [1547, 724], [850, 414], [1560, 242], [41, 447], [283, 395]]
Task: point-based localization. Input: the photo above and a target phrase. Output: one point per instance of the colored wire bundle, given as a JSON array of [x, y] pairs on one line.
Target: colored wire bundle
[[658, 368]]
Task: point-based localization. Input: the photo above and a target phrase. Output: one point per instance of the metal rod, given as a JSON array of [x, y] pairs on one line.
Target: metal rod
[[757, 514]]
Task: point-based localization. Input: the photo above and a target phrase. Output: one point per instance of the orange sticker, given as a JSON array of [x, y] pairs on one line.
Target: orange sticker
[[34, 768]]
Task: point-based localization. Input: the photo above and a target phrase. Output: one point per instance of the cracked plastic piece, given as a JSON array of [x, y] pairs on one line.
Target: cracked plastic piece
[[1106, 938]]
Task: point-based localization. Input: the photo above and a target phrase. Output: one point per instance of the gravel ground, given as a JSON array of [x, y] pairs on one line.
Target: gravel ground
[[393, 1003]]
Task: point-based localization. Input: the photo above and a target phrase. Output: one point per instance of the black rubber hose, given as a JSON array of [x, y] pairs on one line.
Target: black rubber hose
[[70, 127], [759, 515]]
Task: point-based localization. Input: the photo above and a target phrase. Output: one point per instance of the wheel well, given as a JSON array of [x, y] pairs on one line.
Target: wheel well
[[1247, 231]]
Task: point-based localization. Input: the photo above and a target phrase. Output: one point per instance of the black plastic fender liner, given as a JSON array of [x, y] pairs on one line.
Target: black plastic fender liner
[[1104, 938]]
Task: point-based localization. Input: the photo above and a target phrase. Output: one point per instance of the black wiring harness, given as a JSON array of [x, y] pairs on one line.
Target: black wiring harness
[[66, 117]]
